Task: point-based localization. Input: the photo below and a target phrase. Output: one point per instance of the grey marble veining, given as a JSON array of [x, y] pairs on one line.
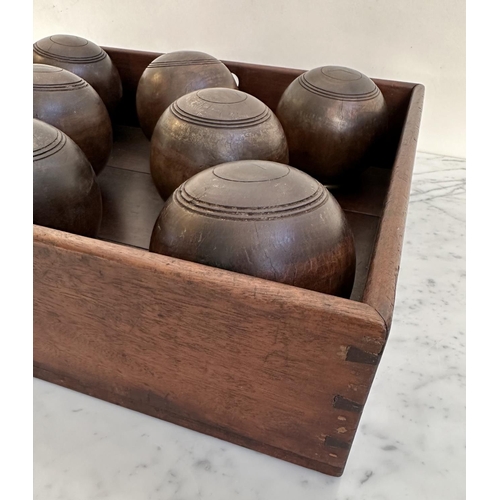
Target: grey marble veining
[[411, 441]]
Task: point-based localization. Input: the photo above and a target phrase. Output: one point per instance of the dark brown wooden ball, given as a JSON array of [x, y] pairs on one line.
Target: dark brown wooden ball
[[68, 102], [332, 116], [212, 126], [66, 195], [85, 59], [263, 219], [173, 75]]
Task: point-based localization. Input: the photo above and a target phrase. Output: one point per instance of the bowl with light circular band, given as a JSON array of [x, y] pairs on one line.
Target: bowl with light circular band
[[332, 116], [263, 219], [85, 59], [69, 103], [212, 126], [173, 75], [66, 195]]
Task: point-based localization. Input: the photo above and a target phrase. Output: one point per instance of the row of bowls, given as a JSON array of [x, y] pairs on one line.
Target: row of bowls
[[328, 117]]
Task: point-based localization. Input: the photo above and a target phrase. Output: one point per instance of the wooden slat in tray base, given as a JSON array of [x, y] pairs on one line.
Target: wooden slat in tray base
[[275, 368]]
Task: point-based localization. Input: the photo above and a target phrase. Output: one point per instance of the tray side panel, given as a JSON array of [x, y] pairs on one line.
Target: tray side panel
[[270, 367], [380, 291]]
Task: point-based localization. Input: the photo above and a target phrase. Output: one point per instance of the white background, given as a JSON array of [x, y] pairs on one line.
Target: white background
[[412, 40]]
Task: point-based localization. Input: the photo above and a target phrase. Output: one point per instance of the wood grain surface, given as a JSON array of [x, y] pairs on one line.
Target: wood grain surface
[[131, 206], [380, 290], [264, 361]]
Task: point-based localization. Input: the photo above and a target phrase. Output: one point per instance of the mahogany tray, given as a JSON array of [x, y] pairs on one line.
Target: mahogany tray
[[275, 368]]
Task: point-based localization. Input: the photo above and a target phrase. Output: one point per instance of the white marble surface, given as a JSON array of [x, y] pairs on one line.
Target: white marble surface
[[411, 441]]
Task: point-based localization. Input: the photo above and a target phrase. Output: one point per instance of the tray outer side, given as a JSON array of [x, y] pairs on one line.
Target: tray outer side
[[271, 367], [274, 368]]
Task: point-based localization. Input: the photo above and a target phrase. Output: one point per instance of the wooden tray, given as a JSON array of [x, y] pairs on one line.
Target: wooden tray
[[278, 369]]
